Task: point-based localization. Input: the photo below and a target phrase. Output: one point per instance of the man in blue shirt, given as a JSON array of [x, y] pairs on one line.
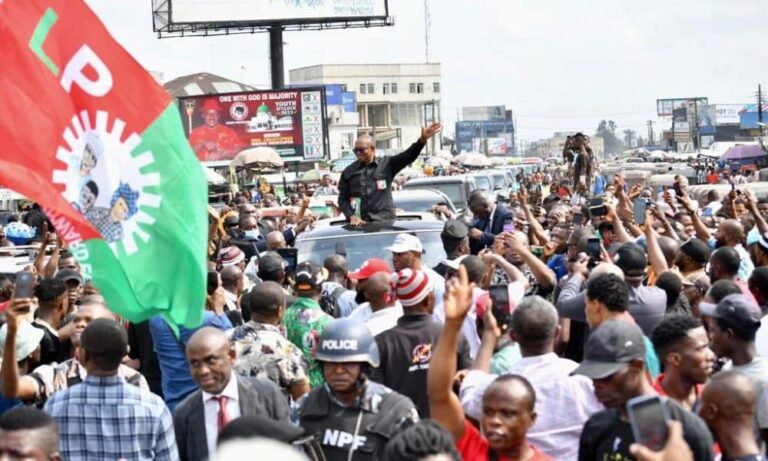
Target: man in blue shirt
[[176, 381]]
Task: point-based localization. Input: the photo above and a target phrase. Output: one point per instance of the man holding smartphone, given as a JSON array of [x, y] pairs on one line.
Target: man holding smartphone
[[613, 359]]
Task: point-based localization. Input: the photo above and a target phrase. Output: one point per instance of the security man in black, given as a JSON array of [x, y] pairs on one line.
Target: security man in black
[[365, 186], [352, 417]]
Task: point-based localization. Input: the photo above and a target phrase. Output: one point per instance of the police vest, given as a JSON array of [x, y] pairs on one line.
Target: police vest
[[334, 425]]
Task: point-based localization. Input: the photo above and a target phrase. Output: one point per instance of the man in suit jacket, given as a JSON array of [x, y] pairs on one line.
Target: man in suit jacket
[[222, 397], [488, 221]]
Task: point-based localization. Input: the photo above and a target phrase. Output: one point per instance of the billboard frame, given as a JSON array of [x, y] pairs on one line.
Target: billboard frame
[[323, 109], [165, 27], [700, 101]]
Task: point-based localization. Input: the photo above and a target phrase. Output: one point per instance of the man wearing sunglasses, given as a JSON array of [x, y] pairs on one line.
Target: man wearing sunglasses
[[365, 186]]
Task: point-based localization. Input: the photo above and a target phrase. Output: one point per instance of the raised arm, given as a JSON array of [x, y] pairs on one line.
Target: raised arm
[[13, 385], [701, 229], [751, 200], [404, 159], [444, 405], [543, 274], [534, 226], [491, 335]]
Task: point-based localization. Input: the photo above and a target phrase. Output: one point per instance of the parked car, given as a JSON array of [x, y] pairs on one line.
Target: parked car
[[457, 188], [483, 180], [370, 241], [421, 200]]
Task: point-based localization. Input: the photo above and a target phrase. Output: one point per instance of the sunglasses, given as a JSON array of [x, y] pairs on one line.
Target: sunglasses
[[359, 150]]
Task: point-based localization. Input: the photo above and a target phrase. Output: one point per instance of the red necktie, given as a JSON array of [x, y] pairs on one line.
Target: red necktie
[[223, 418]]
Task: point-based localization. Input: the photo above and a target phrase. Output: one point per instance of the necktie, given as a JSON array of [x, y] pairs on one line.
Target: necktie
[[223, 417]]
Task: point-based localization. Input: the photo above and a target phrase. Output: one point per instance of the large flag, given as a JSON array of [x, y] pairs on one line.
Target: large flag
[[90, 135]]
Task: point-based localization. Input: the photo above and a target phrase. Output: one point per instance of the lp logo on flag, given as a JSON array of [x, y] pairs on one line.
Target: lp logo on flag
[[100, 146]]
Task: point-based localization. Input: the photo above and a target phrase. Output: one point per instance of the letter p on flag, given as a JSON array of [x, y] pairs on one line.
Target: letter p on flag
[[99, 145]]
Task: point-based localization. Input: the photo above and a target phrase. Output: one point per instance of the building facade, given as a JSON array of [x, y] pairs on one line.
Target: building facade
[[393, 100]]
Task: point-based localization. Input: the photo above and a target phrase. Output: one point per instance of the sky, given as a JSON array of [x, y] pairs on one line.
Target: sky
[[560, 65]]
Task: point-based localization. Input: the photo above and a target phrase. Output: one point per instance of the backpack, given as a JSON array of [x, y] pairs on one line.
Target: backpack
[[329, 302]]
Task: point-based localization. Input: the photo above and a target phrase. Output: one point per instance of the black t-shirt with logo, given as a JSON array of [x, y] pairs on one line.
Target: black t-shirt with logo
[[606, 437], [51, 350], [406, 352]]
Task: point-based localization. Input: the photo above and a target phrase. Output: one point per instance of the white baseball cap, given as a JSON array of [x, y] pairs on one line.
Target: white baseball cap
[[406, 242]]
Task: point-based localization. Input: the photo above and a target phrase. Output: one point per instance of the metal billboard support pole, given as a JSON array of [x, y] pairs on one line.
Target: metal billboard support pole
[[276, 57]]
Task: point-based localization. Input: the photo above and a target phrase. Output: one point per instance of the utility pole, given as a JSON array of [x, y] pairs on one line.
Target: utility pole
[[276, 57], [651, 141], [426, 31], [760, 107]]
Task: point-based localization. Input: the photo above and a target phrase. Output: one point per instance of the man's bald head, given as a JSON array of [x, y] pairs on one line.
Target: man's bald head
[[731, 232], [729, 397], [669, 247], [364, 139], [230, 277], [210, 358], [375, 289], [606, 268], [208, 337], [275, 240], [335, 265]]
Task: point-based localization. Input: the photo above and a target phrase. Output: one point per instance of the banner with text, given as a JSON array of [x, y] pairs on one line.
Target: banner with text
[[293, 122]]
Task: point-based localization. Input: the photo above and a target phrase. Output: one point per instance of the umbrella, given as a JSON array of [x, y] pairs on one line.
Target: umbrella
[[742, 152], [475, 160], [311, 175], [214, 178], [258, 158], [498, 161], [438, 161]]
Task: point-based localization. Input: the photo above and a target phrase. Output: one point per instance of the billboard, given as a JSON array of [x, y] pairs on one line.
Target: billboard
[[255, 13], [484, 113], [665, 107], [721, 114], [468, 132], [496, 146], [292, 121]]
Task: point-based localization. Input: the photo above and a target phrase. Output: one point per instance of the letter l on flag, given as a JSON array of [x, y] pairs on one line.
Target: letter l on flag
[[90, 135]]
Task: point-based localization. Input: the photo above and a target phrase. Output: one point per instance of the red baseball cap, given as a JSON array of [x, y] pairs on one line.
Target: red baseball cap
[[370, 266]]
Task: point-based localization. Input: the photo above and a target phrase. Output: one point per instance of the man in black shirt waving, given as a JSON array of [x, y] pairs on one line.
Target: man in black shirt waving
[[365, 186]]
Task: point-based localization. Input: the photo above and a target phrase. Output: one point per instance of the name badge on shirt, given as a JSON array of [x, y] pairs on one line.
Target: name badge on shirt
[[381, 184]]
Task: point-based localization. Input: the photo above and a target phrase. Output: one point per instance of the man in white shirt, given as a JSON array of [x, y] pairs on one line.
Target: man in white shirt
[[563, 402], [382, 311], [406, 254], [222, 397]]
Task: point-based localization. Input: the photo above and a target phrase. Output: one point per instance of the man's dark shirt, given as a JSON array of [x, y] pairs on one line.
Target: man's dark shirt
[[372, 184]]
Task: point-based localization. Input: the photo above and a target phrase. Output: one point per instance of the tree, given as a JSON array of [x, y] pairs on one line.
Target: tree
[[607, 130]]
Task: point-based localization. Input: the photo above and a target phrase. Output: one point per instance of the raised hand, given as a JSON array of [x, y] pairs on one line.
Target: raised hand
[[458, 297], [431, 130]]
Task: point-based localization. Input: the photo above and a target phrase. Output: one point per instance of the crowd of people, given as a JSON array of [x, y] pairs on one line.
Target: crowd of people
[[551, 312]]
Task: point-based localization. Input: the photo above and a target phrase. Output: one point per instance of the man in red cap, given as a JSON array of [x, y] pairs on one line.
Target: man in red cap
[[361, 275], [212, 140]]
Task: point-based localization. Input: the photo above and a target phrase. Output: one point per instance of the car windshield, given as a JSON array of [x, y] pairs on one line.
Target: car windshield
[[417, 205], [361, 246], [499, 182], [483, 183], [453, 190]]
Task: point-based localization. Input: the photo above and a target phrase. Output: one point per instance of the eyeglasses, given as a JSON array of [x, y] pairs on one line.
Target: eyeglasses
[[359, 150]]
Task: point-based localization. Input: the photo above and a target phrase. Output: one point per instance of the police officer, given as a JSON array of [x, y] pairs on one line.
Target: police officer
[[352, 417]]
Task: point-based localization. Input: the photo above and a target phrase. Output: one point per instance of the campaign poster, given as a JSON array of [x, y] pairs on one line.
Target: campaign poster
[[291, 121]]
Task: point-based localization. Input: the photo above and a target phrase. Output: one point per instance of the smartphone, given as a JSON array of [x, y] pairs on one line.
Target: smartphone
[[648, 418], [593, 249], [577, 219], [213, 282], [25, 285], [341, 249], [640, 206], [509, 225], [500, 306], [291, 257], [595, 202], [600, 210]]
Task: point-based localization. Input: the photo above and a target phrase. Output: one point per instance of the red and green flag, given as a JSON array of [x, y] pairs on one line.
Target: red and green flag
[[91, 136]]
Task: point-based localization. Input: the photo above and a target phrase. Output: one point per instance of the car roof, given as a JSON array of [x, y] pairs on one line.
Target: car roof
[[439, 179], [410, 222], [415, 193]]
